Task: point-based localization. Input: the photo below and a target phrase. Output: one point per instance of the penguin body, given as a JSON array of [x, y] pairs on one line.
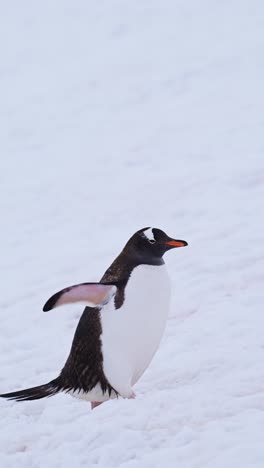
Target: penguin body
[[120, 331]]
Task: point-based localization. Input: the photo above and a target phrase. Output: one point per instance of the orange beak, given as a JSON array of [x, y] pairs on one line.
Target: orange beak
[[176, 243]]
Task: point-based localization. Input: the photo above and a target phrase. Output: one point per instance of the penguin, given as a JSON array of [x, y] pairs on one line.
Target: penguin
[[121, 326]]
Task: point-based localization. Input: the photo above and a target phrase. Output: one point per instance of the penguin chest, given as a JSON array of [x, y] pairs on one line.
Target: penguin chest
[[132, 333]]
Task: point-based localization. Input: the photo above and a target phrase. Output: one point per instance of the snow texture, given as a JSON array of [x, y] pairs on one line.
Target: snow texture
[[114, 116]]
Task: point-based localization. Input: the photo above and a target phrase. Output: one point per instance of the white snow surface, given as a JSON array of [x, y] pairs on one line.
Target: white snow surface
[[114, 116]]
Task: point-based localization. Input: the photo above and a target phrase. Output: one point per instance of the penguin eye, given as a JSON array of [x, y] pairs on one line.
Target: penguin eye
[[152, 241]]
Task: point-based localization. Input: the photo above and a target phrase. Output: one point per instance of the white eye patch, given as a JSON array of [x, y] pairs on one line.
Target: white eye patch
[[149, 234]]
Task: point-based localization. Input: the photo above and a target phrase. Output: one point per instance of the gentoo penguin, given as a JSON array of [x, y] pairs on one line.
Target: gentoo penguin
[[121, 327]]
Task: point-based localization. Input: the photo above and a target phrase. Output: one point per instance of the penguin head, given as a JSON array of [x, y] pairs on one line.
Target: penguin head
[[150, 244]]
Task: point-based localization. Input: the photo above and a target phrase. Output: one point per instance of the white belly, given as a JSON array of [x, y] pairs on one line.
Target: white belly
[[131, 334]]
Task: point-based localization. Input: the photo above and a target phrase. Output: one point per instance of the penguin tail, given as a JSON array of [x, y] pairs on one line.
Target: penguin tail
[[35, 393]]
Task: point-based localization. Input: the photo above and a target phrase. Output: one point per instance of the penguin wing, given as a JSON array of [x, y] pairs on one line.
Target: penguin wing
[[93, 294]]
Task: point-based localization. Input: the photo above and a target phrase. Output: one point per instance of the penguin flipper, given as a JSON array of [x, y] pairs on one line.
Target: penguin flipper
[[94, 294]]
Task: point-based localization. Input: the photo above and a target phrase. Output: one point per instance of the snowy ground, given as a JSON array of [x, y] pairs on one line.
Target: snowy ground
[[114, 116]]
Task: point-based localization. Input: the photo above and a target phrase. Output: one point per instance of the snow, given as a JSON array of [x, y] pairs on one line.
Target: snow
[[115, 116]]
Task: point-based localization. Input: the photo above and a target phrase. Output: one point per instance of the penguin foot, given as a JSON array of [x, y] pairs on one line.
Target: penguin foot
[[94, 404]]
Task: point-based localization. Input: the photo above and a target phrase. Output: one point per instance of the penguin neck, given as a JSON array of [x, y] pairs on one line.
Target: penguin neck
[[122, 267]]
